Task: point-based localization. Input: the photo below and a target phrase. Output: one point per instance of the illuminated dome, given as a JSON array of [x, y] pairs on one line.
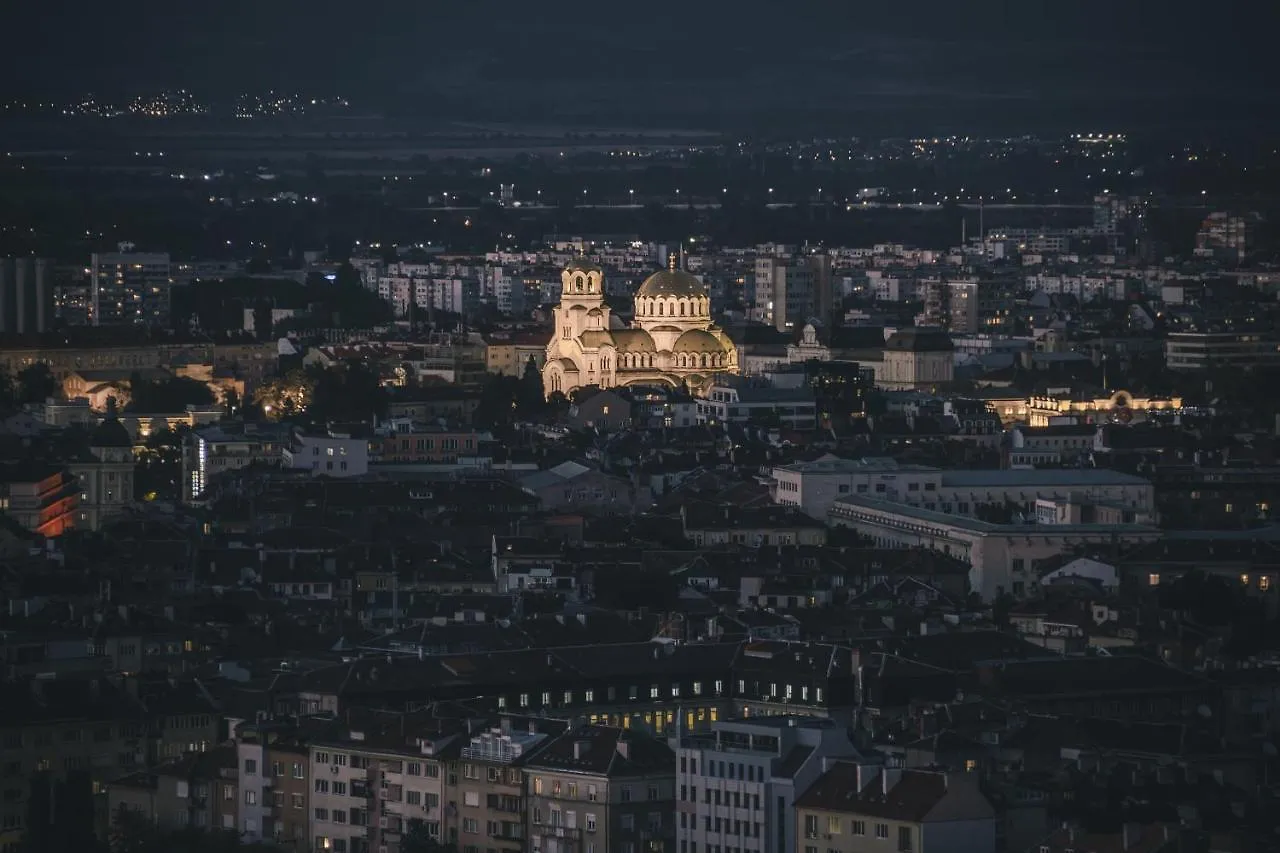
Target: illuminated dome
[[581, 264], [677, 283], [696, 340]]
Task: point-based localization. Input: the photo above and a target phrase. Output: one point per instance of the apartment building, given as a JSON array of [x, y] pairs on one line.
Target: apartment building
[[854, 808], [197, 790], [129, 287], [332, 453], [372, 785], [484, 793], [738, 783], [275, 773], [1221, 350], [42, 498], [602, 789], [213, 450]]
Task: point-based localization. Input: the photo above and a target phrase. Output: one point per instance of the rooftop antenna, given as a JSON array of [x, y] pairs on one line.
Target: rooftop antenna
[[673, 259]]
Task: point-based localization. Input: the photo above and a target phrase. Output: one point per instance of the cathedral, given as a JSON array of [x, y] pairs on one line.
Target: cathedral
[[671, 340]]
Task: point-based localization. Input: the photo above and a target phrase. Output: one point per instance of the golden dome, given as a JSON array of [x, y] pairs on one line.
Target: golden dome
[[696, 340], [676, 283]]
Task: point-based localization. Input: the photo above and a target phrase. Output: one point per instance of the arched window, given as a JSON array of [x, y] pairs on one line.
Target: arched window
[[704, 359], [681, 309]]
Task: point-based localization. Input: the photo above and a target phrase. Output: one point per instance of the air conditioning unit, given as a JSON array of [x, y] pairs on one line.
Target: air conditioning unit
[[333, 768]]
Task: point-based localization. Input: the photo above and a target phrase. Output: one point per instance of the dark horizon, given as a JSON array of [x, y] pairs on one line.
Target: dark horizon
[[573, 62]]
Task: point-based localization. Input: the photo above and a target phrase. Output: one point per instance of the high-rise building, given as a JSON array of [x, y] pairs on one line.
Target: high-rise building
[[129, 288], [790, 291], [26, 296], [737, 784]]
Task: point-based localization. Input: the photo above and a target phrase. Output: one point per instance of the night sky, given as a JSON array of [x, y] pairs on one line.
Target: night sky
[[664, 60]]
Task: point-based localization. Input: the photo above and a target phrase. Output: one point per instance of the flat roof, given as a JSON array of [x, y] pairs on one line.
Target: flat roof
[[974, 525], [1040, 477], [854, 466]]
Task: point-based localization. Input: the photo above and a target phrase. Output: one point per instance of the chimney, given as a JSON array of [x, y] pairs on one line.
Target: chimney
[[861, 777], [580, 749], [889, 777], [624, 748]]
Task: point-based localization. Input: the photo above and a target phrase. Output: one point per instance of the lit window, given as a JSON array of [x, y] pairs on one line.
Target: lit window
[[1264, 582], [1244, 579], [1153, 579]]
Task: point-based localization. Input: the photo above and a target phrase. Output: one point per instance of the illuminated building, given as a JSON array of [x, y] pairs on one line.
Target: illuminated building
[[672, 340]]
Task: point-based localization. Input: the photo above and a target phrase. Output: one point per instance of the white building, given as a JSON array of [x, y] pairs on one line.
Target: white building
[[1002, 557], [734, 402], [814, 486], [333, 454], [736, 785]]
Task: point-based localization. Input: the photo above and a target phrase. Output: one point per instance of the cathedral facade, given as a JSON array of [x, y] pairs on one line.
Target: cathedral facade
[[671, 341]]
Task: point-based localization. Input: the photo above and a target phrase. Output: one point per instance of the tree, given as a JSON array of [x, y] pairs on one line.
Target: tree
[[499, 402], [351, 392], [8, 389], [36, 383], [530, 399], [132, 832], [417, 840], [285, 396], [168, 395], [231, 401]]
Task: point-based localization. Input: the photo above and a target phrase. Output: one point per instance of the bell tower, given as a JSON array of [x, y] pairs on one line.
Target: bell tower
[[582, 304]]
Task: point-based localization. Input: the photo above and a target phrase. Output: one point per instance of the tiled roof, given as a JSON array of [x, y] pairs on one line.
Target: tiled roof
[[843, 788]]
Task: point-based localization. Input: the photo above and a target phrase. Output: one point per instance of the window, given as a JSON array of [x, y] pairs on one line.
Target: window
[[833, 825], [591, 822], [882, 831], [322, 814], [904, 838], [299, 801], [250, 767], [250, 798], [858, 827], [414, 768], [297, 770]]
